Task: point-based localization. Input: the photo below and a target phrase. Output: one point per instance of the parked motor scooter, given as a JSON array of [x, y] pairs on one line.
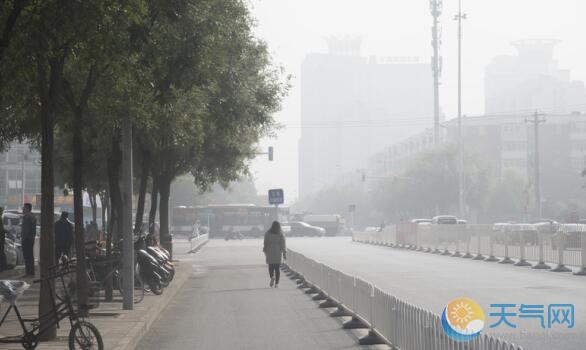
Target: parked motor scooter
[[164, 268], [148, 267]]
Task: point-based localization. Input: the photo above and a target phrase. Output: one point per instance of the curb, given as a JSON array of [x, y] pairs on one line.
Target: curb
[[135, 334]]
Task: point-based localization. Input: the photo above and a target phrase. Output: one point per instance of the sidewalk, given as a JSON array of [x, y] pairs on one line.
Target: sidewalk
[[228, 304], [120, 329]]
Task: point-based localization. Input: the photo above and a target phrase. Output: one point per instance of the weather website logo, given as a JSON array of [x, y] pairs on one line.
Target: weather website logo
[[463, 319]]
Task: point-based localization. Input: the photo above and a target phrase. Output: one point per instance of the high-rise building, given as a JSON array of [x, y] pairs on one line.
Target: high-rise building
[[353, 106], [531, 81], [20, 175]]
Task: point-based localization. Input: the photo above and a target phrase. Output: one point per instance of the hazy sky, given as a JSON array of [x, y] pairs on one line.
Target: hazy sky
[[403, 28]]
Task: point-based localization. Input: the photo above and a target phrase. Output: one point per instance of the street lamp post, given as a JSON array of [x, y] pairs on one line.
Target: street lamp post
[[461, 201], [436, 10], [127, 233], [22, 182]]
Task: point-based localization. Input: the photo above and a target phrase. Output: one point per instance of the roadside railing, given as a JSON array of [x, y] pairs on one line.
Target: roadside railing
[[197, 241], [394, 321], [542, 246]]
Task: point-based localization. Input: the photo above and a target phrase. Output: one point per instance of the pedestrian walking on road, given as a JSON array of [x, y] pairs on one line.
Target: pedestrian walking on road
[[28, 234], [63, 236], [274, 249], [2, 238]]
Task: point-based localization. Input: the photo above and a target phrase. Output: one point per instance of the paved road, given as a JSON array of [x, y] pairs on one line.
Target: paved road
[[430, 281], [227, 304]]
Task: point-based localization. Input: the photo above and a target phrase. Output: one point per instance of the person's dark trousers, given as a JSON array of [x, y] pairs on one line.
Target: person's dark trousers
[[29, 257], [274, 270]]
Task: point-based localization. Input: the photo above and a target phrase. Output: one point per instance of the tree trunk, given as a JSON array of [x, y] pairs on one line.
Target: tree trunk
[[154, 202], [104, 201], [115, 205], [48, 92], [144, 176], [165, 191], [108, 286], [114, 163], [82, 281], [94, 204]]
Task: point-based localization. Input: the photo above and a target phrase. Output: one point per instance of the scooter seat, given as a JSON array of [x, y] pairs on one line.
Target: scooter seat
[[11, 290]]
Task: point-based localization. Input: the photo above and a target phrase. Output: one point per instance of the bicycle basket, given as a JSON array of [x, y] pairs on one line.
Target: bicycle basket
[[10, 290]]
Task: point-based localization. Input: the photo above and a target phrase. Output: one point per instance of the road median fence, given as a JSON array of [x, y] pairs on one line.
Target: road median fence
[[389, 319], [541, 246], [197, 241]]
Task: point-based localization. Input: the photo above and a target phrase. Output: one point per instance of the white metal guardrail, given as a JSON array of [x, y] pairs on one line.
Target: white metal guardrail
[[196, 242], [536, 245], [403, 325]]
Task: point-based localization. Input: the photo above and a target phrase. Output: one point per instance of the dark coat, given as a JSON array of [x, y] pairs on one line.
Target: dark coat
[[63, 233], [29, 227], [274, 247]]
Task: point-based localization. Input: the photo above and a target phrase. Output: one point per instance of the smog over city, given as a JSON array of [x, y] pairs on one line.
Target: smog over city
[[310, 174]]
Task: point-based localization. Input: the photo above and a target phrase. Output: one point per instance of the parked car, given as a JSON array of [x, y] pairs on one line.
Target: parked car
[[421, 221], [300, 228], [12, 223], [15, 218], [444, 220], [511, 233], [12, 248]]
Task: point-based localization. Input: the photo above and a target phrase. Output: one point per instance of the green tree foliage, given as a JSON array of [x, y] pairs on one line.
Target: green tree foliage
[[507, 198], [200, 90], [337, 199], [214, 95], [429, 185]]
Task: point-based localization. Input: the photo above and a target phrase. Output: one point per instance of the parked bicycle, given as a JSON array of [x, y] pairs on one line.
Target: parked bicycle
[[83, 334], [101, 270]]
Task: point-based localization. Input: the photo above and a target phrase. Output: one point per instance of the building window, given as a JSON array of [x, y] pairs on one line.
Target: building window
[[579, 146], [514, 163], [579, 127], [512, 129], [14, 184], [578, 163], [514, 146]]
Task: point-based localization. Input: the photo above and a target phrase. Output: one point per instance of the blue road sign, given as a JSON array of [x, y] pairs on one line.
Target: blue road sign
[[276, 196]]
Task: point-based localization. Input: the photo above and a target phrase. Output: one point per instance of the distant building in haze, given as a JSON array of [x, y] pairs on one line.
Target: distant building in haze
[[531, 81], [353, 106]]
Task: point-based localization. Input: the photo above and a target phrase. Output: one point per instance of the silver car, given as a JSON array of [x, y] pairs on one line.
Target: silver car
[[12, 248]]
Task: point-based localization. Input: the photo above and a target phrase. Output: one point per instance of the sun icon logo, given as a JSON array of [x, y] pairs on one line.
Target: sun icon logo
[[463, 319]]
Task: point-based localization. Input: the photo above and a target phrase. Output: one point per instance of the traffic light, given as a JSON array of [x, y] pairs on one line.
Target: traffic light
[[363, 176], [270, 153]]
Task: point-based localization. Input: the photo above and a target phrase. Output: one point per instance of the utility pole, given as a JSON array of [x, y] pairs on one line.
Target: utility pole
[[536, 183], [436, 11], [23, 180], [127, 234], [461, 201]]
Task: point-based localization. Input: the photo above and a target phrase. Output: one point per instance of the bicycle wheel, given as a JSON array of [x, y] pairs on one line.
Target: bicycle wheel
[[85, 336]]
